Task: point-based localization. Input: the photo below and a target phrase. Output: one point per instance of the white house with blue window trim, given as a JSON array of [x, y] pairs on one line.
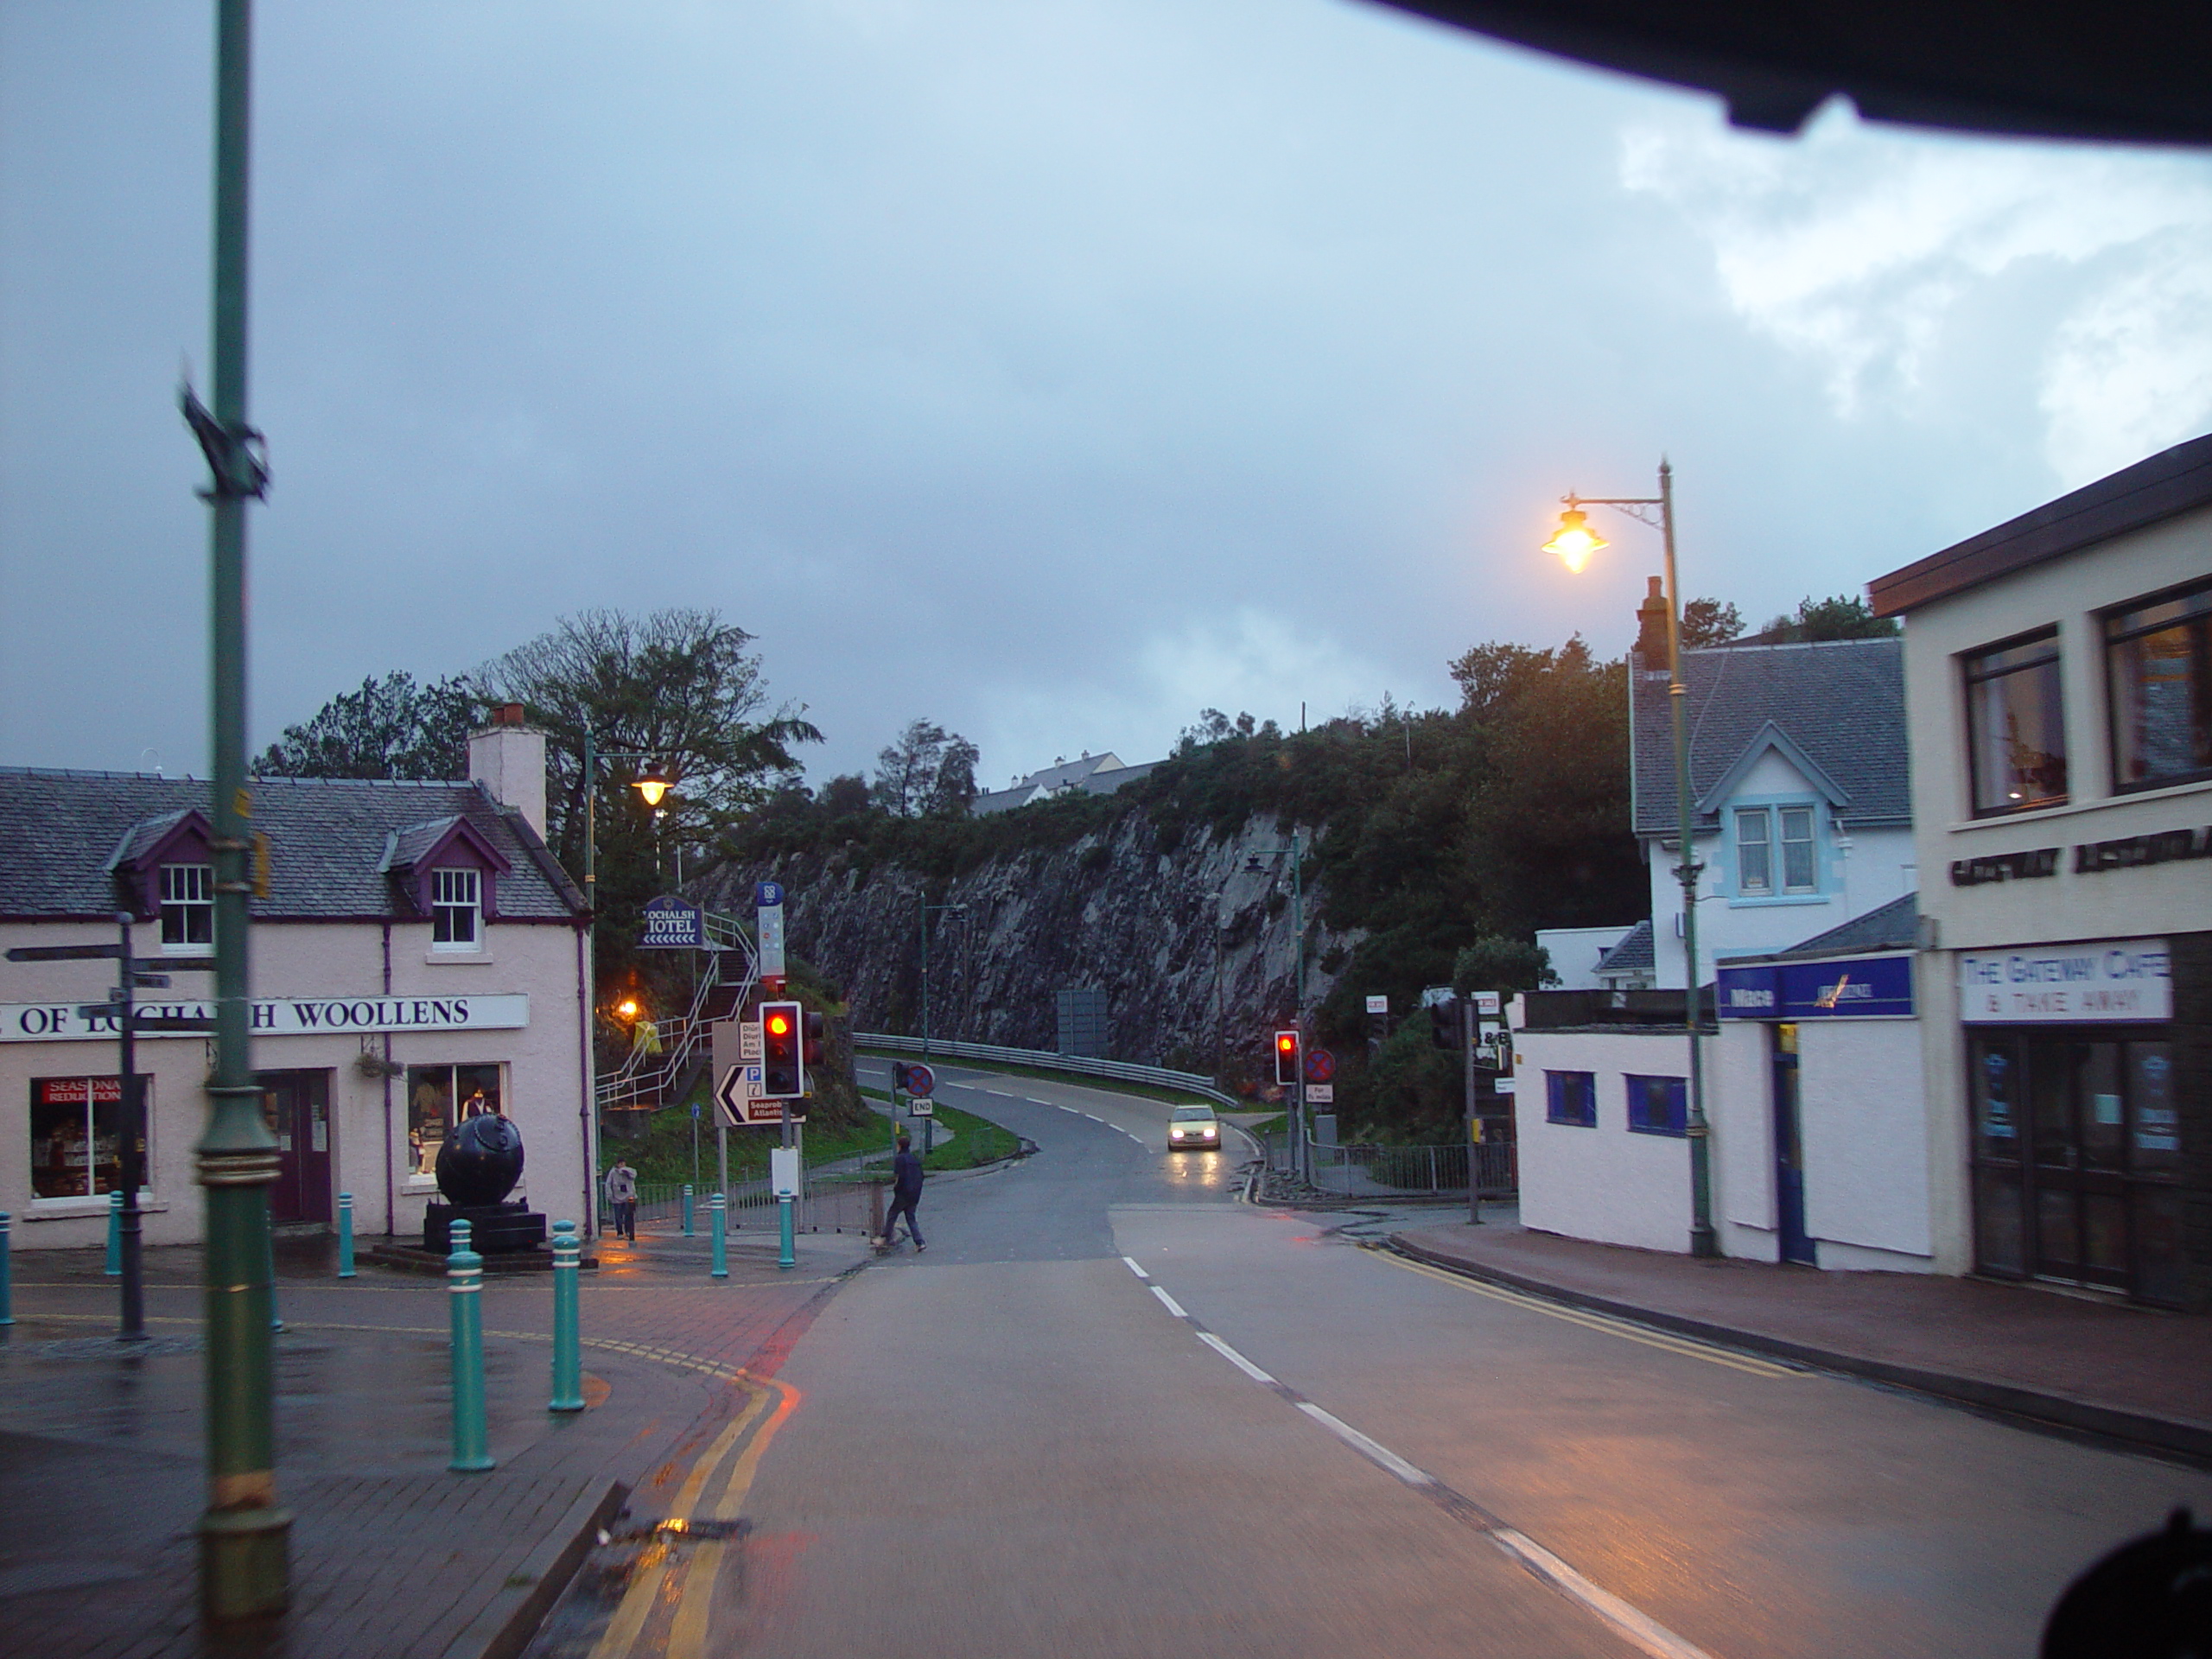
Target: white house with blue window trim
[[1802, 812]]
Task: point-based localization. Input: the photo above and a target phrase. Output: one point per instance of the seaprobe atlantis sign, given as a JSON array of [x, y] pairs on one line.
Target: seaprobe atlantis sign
[[273, 1016]]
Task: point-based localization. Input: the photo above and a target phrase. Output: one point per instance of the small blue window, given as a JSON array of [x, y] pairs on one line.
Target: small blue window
[[1570, 1097], [1657, 1105]]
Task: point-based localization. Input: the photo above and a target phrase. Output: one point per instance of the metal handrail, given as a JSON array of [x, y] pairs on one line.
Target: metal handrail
[[681, 1038], [1120, 1071]]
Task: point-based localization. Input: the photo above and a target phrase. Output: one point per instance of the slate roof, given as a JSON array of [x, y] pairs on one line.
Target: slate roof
[[1841, 702], [1633, 955], [327, 841], [1094, 774], [1895, 926]]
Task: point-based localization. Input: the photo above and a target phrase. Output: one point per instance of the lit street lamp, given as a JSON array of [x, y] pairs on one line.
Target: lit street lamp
[[1574, 541]]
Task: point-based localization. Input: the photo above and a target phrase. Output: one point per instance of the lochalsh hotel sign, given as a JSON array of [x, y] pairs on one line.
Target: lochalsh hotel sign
[[2118, 982], [273, 1016]]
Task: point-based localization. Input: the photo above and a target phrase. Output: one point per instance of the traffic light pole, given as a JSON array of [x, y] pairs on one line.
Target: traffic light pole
[[1468, 1026]]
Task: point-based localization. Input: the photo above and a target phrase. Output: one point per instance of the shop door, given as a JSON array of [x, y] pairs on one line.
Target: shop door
[[1790, 1151], [296, 1106], [2077, 1188]]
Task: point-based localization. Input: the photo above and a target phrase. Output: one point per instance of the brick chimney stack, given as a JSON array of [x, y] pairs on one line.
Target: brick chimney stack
[[1651, 629]]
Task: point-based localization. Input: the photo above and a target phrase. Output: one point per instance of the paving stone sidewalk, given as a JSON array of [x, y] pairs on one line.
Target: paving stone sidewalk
[[101, 1470], [2131, 1374]]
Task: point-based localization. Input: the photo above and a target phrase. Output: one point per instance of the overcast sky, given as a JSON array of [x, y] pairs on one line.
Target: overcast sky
[[1051, 370]]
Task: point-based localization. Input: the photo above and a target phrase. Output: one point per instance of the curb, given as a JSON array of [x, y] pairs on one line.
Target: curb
[[505, 1627], [2107, 1426]]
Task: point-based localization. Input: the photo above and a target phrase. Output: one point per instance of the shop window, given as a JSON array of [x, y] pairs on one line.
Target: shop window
[[2016, 728], [1570, 1097], [439, 1097], [188, 906], [1658, 1105], [76, 1137], [456, 909], [1763, 832], [2158, 665]]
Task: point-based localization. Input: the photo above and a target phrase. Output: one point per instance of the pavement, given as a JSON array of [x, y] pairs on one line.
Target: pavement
[[102, 1470], [2129, 1376]]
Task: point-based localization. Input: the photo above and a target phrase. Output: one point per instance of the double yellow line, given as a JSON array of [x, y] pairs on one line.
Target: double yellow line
[[1621, 1328], [688, 1586]]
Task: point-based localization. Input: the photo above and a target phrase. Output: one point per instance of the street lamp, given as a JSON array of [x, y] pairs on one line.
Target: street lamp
[[927, 908], [651, 784], [1301, 1156], [1574, 541]]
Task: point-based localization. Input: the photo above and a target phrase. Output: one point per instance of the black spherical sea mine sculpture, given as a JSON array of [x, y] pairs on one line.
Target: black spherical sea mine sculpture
[[481, 1161]]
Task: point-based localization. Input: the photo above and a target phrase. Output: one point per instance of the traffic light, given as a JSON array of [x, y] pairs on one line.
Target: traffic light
[[898, 1078], [1287, 1059], [783, 1069], [1446, 1026], [810, 1032]]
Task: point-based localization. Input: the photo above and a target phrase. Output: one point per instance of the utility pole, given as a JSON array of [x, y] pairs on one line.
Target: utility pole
[[245, 1565]]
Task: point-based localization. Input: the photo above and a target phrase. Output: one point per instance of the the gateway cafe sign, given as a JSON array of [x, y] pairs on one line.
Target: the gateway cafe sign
[[275, 1016]]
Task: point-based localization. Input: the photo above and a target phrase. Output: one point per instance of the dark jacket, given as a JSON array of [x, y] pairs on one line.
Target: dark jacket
[[906, 1175]]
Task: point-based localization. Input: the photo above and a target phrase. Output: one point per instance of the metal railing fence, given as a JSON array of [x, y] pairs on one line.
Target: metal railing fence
[[1355, 1171], [844, 1201], [1118, 1071], [645, 1075]]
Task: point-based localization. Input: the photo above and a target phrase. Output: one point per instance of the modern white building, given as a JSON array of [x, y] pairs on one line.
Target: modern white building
[[1092, 774], [417, 948], [2059, 676]]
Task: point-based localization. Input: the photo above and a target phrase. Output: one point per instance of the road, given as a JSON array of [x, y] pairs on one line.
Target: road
[[1113, 1411]]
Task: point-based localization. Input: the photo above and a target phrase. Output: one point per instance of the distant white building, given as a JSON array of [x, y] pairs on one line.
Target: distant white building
[[1577, 955], [1090, 774]]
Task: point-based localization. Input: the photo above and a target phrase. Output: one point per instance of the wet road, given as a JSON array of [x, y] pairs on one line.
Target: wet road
[[1112, 1411]]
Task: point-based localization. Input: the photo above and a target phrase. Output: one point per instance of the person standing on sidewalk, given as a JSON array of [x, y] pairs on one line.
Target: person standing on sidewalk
[[906, 1193], [622, 1198]]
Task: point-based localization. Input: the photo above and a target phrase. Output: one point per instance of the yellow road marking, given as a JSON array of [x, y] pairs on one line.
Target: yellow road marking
[[1686, 1346], [644, 1588], [686, 1635]]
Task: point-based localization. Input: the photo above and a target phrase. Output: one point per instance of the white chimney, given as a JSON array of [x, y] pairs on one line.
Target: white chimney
[[508, 758]]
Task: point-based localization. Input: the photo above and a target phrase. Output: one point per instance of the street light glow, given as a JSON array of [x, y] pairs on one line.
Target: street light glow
[[653, 785], [1574, 541]]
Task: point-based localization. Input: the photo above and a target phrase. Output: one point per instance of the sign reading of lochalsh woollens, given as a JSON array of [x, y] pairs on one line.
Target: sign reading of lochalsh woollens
[[272, 1016]]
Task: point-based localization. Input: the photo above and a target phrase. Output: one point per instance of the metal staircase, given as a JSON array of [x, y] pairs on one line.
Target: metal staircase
[[648, 1079]]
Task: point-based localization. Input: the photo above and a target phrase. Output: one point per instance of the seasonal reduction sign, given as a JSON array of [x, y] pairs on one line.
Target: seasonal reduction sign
[[273, 1016]]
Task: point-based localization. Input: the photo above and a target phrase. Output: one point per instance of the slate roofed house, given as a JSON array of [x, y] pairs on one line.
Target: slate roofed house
[[417, 943], [1800, 784], [1090, 774]]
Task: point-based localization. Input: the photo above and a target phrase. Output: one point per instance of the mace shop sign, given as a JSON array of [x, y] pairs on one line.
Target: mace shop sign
[[273, 1016], [1870, 988], [2123, 981]]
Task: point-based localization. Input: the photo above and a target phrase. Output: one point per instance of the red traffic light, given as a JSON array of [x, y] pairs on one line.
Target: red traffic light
[[1287, 1059], [778, 1024], [1287, 1042], [783, 1065]]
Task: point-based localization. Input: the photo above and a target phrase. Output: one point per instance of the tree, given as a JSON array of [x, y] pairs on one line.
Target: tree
[[679, 685], [843, 795], [1708, 622], [1844, 617], [390, 728], [928, 772], [1494, 963]]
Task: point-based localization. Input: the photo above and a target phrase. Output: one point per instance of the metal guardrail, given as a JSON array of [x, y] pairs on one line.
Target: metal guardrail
[[1370, 1172], [1118, 1070]]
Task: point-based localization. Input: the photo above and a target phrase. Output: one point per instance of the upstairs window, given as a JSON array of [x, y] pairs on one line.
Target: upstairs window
[[456, 909], [2016, 728], [188, 906], [1761, 832], [2158, 661]]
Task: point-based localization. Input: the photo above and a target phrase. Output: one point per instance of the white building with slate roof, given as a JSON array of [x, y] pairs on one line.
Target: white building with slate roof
[[1803, 793], [417, 946]]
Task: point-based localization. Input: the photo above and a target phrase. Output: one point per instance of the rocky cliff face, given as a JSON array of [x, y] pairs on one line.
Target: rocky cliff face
[[1194, 950]]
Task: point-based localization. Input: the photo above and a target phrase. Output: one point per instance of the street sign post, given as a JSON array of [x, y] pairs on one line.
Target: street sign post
[[1320, 1067], [768, 914]]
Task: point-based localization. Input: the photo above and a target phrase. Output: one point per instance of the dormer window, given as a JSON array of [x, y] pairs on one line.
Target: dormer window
[[188, 906], [456, 909]]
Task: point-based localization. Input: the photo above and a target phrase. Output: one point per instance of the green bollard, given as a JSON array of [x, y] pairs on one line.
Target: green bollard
[[7, 1273], [719, 1215], [115, 1234], [688, 1233], [567, 1345], [465, 1280], [787, 1256], [346, 1236]]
